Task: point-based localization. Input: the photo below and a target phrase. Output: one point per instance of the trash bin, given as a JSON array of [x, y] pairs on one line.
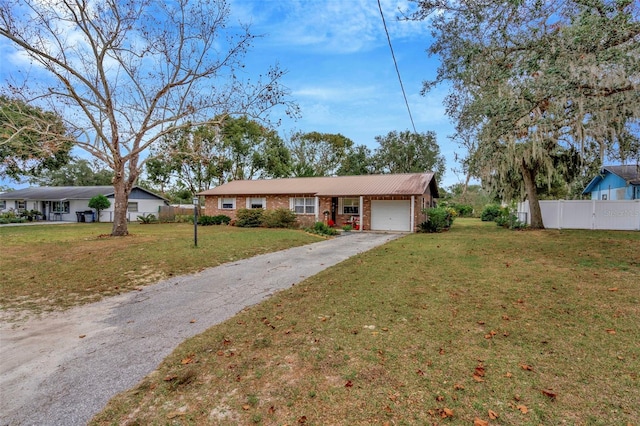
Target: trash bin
[[88, 216], [80, 216]]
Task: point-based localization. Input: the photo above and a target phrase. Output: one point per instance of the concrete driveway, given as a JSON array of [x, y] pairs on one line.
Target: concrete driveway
[[62, 369]]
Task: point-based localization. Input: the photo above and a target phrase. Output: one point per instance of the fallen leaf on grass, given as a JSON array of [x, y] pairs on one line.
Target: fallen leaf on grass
[[610, 331], [613, 289], [480, 422], [302, 419], [245, 407], [550, 394], [493, 415], [490, 335], [446, 412], [272, 410], [523, 409], [478, 373], [508, 374], [526, 367], [458, 386], [170, 378], [175, 414], [479, 370], [348, 384], [82, 336], [188, 360]]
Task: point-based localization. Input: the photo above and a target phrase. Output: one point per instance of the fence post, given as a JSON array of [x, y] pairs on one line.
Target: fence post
[[560, 213]]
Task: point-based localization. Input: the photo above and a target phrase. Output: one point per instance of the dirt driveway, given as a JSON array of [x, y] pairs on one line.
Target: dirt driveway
[[63, 368]]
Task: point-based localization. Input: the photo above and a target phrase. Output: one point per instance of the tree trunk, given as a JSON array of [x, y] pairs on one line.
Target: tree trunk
[[529, 176], [121, 201]]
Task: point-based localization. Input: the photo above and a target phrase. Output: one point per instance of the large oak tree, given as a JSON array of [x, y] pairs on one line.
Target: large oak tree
[[540, 85], [122, 74]]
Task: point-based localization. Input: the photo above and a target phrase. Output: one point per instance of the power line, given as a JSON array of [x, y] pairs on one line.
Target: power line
[[397, 69]]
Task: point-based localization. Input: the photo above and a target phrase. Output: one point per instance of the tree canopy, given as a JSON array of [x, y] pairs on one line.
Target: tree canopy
[[318, 154], [32, 141], [199, 158], [544, 87], [122, 75], [77, 172], [408, 152]]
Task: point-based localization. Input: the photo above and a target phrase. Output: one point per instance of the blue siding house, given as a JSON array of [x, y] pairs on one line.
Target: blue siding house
[[615, 183]]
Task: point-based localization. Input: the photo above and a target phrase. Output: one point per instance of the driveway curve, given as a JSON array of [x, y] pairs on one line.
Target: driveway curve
[[63, 368]]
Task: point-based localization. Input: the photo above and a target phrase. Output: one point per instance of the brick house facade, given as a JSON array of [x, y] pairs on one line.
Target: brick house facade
[[371, 202]]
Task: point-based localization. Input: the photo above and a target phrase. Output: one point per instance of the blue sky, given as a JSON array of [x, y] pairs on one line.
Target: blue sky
[[340, 69]]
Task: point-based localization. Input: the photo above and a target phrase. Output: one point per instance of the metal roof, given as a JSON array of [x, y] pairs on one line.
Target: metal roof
[[55, 193], [631, 174], [391, 184]]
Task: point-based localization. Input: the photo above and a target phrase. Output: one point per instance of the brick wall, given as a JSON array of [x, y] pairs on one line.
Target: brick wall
[[282, 201]]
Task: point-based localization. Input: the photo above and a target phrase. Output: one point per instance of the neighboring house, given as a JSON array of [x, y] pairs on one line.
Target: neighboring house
[[368, 202], [66, 202], [615, 183]]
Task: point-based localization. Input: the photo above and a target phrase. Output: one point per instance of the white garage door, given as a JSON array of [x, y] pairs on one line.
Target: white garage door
[[391, 215]]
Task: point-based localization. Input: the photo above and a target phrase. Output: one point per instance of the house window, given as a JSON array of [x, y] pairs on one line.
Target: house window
[[3, 204], [304, 205], [21, 205], [604, 197], [256, 203], [60, 207], [132, 207], [227, 203], [350, 206]]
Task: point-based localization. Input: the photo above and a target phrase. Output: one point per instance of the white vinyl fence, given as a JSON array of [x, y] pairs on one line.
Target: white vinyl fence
[[587, 214]]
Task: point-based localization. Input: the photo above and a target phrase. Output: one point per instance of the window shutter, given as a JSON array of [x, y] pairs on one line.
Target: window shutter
[[248, 202], [219, 203], [292, 203]]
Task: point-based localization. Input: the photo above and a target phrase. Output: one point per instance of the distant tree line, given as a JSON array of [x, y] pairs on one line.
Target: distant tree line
[[195, 159]]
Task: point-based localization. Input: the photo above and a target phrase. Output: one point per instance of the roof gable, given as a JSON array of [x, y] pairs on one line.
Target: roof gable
[[336, 186], [58, 193], [630, 174]]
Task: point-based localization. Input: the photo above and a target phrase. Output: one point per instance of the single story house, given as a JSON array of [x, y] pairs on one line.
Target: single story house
[[392, 202], [615, 183], [66, 203]]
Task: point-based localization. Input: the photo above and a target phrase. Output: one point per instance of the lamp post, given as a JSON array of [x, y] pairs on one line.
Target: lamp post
[[196, 201]]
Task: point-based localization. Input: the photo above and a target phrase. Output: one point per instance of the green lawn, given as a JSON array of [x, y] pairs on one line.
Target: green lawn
[[511, 328], [47, 267]]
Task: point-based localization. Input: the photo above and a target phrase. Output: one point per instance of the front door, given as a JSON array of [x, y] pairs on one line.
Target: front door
[[334, 208]]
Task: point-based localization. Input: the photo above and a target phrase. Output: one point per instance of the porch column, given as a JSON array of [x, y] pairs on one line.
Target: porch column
[[361, 210], [413, 211], [317, 208]]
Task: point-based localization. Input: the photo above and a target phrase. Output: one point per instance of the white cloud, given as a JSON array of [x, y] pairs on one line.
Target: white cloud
[[331, 26]]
